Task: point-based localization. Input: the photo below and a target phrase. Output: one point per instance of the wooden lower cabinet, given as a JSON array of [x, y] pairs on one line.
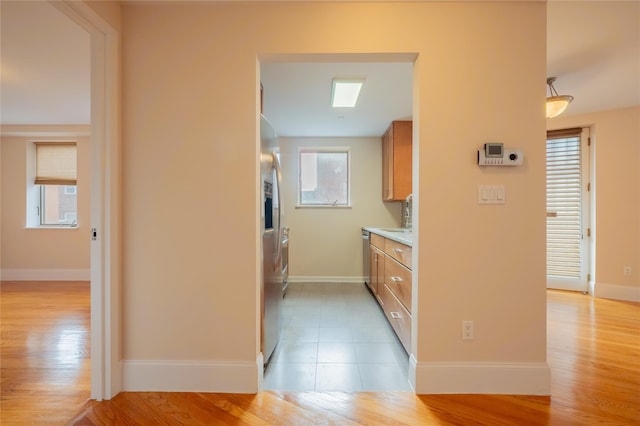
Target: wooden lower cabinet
[[398, 316], [391, 284], [398, 279], [377, 264], [378, 241], [399, 252]]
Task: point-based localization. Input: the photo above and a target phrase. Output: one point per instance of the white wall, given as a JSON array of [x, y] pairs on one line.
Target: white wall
[[615, 135], [191, 246], [325, 244], [42, 253]]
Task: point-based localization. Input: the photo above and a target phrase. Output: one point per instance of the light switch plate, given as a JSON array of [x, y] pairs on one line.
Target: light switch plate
[[491, 194]]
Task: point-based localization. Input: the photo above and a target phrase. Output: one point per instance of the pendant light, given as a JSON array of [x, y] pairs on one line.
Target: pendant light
[[556, 104]]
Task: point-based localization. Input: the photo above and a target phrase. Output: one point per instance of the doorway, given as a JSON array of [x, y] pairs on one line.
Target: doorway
[[46, 107], [323, 342], [568, 219]]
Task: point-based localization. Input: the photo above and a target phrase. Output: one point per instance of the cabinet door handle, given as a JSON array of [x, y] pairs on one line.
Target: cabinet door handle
[[395, 315], [397, 251], [396, 279]]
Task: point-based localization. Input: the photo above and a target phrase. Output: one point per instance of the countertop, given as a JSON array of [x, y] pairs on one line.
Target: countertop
[[401, 235]]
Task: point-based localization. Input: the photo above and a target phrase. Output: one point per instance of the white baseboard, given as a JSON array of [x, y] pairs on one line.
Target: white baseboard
[[192, 376], [325, 279], [482, 378], [413, 363], [617, 292], [45, 274]]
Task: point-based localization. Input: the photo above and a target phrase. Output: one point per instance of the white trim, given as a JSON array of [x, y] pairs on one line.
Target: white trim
[[106, 367], [322, 206], [43, 131], [190, 376], [413, 365], [482, 378], [617, 292], [567, 284], [323, 150], [45, 274], [326, 279], [260, 369], [581, 283], [66, 226]]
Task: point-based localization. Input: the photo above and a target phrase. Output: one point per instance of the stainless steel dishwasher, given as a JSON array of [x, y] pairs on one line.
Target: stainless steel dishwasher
[[365, 257]]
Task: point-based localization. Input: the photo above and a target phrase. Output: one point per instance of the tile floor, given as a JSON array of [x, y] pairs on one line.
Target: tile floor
[[335, 337]]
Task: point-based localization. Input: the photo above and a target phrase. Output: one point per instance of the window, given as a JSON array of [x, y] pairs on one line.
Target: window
[[324, 177], [54, 185], [58, 206]]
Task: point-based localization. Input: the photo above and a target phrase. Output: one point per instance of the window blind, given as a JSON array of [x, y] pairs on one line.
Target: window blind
[[55, 163], [564, 204]]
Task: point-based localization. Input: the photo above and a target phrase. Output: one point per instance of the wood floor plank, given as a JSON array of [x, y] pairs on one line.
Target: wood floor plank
[[593, 352], [45, 366]]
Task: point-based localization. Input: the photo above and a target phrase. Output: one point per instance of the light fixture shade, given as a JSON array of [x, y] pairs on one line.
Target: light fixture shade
[[557, 104], [345, 92]]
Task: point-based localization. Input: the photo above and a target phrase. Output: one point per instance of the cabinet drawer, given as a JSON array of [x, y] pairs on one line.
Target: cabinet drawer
[[398, 251], [398, 317], [377, 240], [398, 279]]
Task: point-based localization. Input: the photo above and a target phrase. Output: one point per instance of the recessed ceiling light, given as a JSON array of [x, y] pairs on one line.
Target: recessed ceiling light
[[345, 91]]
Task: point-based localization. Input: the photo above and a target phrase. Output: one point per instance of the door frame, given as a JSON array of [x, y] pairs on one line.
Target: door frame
[[588, 231], [106, 370]]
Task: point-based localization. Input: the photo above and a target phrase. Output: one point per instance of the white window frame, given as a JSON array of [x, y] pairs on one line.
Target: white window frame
[[324, 150], [34, 192], [42, 202]]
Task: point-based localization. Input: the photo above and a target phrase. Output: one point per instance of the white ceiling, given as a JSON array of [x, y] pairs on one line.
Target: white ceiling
[[45, 76], [297, 97], [593, 50]]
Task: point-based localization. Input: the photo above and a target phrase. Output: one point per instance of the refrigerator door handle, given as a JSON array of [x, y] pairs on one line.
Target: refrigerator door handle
[[278, 182]]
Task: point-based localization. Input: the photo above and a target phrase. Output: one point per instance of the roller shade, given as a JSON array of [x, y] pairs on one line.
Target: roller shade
[[55, 163], [564, 204]]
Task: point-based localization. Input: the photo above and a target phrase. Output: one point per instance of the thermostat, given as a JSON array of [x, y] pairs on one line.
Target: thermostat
[[495, 154]]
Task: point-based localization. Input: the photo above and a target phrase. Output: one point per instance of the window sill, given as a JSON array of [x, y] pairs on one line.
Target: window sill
[[51, 227], [321, 206]]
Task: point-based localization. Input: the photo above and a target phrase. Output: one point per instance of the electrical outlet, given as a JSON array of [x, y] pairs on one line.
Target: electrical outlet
[[467, 330], [627, 271]]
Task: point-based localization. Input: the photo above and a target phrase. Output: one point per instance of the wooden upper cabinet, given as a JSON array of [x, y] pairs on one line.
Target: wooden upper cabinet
[[397, 161]]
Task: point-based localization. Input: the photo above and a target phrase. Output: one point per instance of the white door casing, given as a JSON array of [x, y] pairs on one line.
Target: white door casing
[[568, 201], [106, 372]]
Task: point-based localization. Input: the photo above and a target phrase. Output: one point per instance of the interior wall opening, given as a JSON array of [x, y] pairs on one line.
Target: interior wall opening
[[334, 334]]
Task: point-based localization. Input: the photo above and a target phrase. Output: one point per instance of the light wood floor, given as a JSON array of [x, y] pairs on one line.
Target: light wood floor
[[44, 354], [593, 351]]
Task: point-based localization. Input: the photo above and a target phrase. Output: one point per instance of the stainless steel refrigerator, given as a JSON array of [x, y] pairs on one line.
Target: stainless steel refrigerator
[[272, 227]]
